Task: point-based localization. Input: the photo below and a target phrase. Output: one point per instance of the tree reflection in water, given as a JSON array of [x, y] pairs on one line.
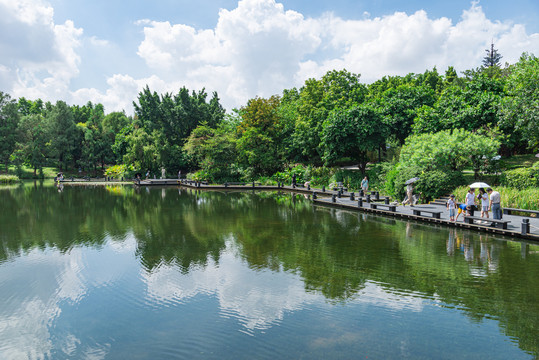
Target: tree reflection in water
[[334, 252]]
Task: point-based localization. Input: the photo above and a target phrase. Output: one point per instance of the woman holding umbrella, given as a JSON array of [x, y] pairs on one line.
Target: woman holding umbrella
[[470, 197], [409, 191], [484, 202]]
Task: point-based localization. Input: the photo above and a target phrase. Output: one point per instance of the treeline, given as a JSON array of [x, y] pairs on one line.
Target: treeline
[[429, 125]]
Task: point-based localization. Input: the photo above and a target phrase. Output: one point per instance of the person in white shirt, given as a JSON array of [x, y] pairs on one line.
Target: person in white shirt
[[451, 206], [495, 205], [484, 202], [470, 202]]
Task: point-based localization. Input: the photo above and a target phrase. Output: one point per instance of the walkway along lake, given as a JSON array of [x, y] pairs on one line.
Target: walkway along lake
[[524, 227], [116, 272]]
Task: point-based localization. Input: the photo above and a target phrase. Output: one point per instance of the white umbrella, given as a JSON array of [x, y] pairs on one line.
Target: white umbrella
[[411, 181], [477, 185]]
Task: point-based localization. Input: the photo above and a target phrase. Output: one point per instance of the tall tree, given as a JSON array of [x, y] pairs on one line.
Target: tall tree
[[9, 121], [520, 108], [169, 119], [32, 141], [352, 133], [258, 136], [112, 126], [399, 106], [492, 59], [474, 106], [62, 133], [336, 90]]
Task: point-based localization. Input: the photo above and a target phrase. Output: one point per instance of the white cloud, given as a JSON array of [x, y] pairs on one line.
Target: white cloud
[[256, 299], [255, 49], [40, 55], [52, 279], [258, 48]]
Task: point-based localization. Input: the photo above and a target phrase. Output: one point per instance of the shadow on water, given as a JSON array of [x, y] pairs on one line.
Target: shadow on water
[[335, 252]]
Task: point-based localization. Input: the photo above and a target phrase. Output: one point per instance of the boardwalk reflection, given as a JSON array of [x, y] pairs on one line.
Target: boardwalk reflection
[[185, 240]]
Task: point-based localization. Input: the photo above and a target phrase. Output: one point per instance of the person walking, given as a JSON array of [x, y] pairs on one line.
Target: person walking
[[409, 195], [494, 204], [484, 202], [365, 184]]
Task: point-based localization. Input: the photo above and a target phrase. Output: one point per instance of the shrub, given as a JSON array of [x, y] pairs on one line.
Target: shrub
[[389, 185], [521, 178], [318, 176], [9, 179], [118, 171], [433, 184]]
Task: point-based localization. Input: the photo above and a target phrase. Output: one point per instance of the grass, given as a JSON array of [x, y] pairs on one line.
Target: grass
[[28, 173], [8, 179], [518, 161]]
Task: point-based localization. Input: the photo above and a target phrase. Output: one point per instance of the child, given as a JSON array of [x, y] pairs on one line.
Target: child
[[451, 206], [461, 209]]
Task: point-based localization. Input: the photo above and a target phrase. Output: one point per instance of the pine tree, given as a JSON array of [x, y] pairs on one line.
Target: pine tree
[[493, 57]]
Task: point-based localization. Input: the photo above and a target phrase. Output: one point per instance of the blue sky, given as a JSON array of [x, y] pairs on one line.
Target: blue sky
[[107, 50]]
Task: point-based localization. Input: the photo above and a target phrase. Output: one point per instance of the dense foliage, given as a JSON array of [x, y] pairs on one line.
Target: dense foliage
[[429, 125]]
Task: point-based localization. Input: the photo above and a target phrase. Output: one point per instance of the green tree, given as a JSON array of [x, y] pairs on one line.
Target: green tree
[[520, 108], [258, 139], [353, 132], [9, 121], [28, 107], [32, 141], [399, 106], [492, 59], [438, 159], [170, 119], [177, 115], [141, 150], [214, 151], [61, 133], [112, 126], [472, 107], [317, 98]]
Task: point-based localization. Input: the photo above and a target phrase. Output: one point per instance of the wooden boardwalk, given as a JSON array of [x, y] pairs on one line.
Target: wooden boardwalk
[[329, 197]]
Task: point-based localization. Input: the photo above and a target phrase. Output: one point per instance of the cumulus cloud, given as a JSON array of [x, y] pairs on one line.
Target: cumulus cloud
[[255, 49], [39, 57], [258, 48], [257, 299]]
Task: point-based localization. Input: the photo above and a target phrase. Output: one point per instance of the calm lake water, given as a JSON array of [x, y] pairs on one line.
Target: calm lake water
[[123, 273]]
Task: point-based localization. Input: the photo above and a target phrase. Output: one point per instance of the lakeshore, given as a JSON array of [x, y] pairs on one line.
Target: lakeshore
[[432, 212]]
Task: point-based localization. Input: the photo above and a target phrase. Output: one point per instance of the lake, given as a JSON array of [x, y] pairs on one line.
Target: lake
[[117, 272]]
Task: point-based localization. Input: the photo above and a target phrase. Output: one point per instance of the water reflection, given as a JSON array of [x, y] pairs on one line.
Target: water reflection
[[262, 257]]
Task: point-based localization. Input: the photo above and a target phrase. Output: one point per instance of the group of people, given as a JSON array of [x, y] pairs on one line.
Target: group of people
[[488, 200]]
